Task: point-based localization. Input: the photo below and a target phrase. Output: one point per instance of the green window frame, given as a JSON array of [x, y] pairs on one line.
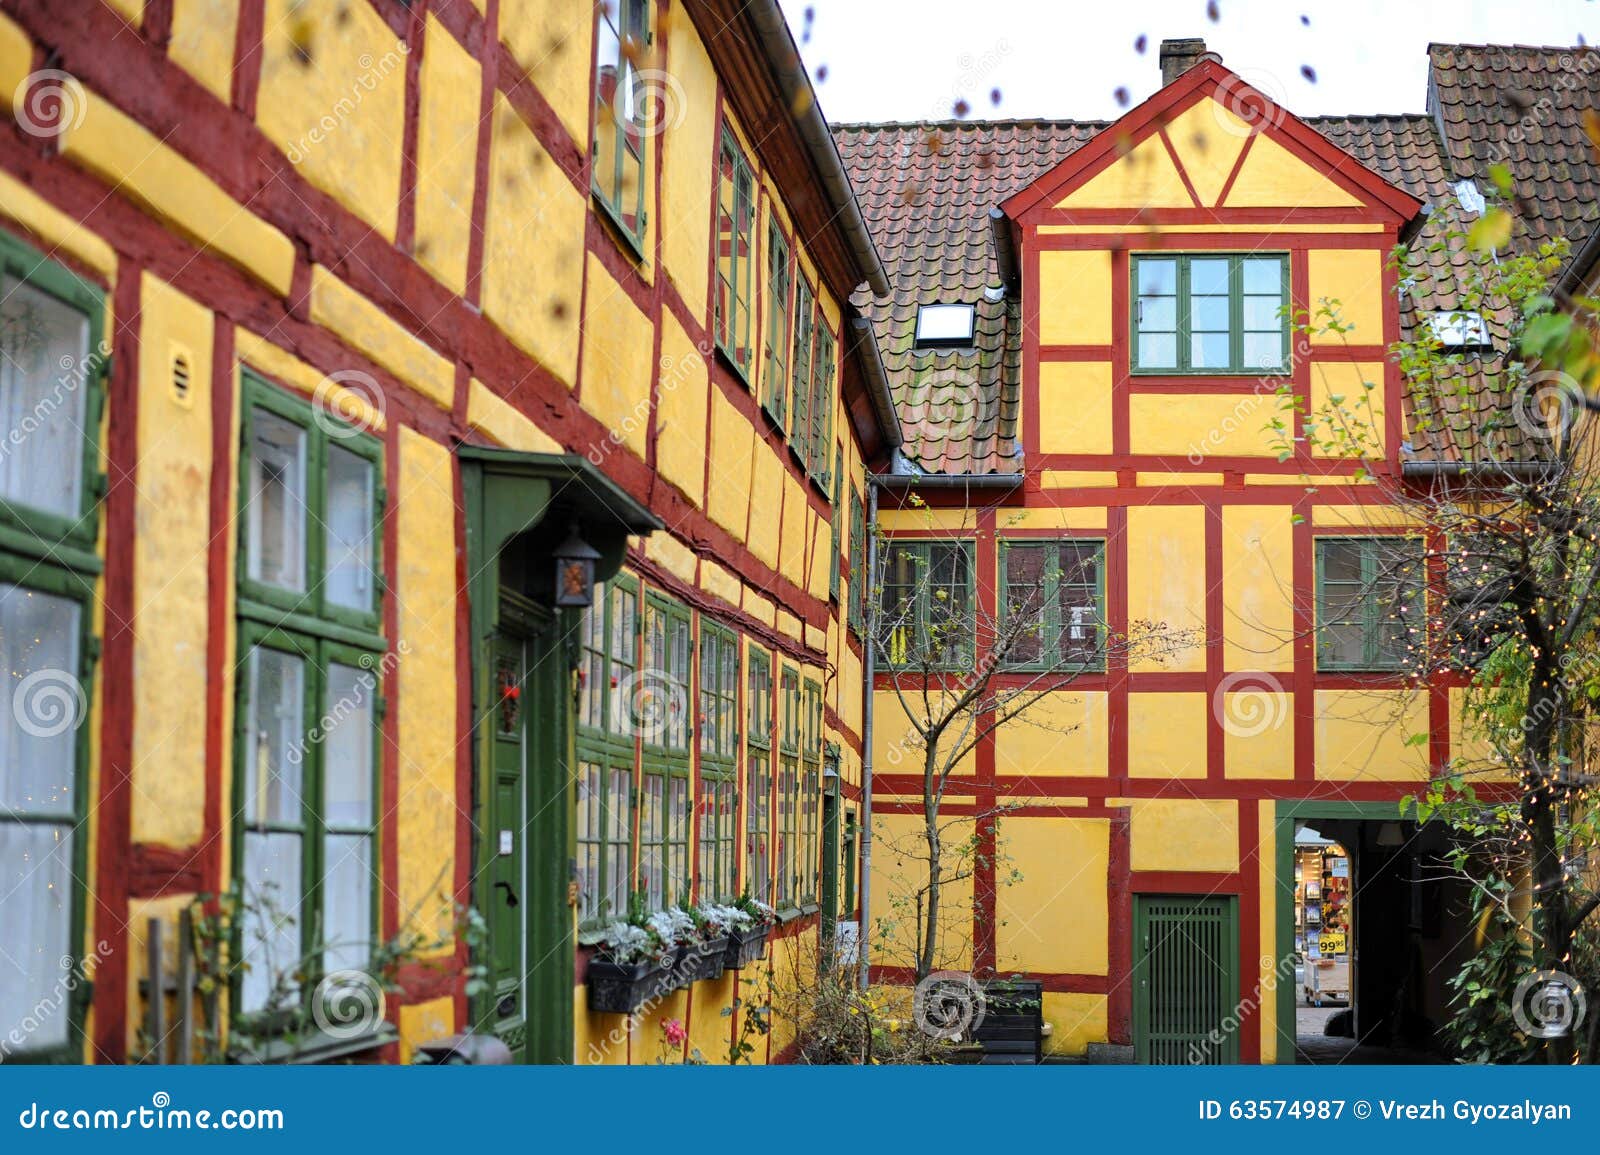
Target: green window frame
[[736, 252], [718, 804], [836, 516], [662, 696], [1060, 585], [1209, 313], [622, 130], [800, 367], [54, 366], [856, 615], [1369, 598], [926, 609], [780, 277], [606, 797], [787, 851], [305, 805], [822, 377], [808, 799], [758, 774]]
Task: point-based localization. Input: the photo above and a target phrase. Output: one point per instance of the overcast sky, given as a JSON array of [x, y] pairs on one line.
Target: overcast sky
[[914, 59]]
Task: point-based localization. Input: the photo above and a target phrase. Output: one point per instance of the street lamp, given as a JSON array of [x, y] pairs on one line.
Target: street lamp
[[575, 560]]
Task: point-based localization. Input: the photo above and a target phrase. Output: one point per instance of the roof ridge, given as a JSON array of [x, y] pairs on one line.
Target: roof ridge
[[971, 122], [1311, 119]]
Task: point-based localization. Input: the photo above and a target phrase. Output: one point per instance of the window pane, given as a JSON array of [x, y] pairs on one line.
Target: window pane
[[1157, 278], [619, 842], [652, 829], [1158, 350], [1208, 350], [1209, 314], [1208, 275], [1263, 350], [36, 914], [588, 822], [347, 746], [350, 529], [277, 502], [1261, 313], [1342, 644], [44, 349], [1025, 603], [276, 737], [270, 936], [347, 902], [1263, 275], [608, 75], [1341, 561], [1158, 314], [44, 704]]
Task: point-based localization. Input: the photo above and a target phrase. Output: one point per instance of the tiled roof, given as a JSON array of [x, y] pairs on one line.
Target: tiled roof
[[926, 190]]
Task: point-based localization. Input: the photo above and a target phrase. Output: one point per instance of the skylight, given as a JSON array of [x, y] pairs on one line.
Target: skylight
[[943, 326], [1457, 330]]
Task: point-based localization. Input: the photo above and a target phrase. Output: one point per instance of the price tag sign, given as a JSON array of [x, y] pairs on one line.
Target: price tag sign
[[1330, 943]]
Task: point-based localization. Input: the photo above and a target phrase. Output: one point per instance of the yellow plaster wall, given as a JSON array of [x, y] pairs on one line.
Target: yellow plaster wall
[[360, 323], [286, 368], [447, 156], [766, 519], [1353, 280], [1054, 918], [1346, 411], [897, 746], [533, 262], [1258, 587], [1167, 585], [1167, 735], [899, 870], [793, 547], [498, 419], [1200, 426], [1074, 297], [1361, 734], [681, 402], [1208, 137], [732, 441], [687, 191], [1272, 177], [52, 229], [1064, 732], [1184, 834], [423, 1022], [203, 41], [1076, 1021], [1257, 731], [553, 43], [170, 570], [425, 586], [617, 363], [333, 98], [1075, 407], [1143, 178]]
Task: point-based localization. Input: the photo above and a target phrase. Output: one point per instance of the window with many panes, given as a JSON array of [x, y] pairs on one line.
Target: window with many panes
[[1210, 313], [310, 710], [622, 115], [758, 775], [661, 706], [859, 581], [926, 612], [1370, 609], [775, 376], [609, 639], [836, 516], [52, 366], [736, 232], [809, 795], [718, 805], [800, 367], [821, 431], [786, 851], [1052, 604]]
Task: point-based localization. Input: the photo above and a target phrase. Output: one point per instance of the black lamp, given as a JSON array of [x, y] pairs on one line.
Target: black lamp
[[575, 560]]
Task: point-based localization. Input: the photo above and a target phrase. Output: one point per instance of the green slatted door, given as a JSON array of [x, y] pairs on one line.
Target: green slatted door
[[1186, 979]]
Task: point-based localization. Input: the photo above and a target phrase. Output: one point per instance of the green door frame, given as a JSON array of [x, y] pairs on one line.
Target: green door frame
[[1288, 813]]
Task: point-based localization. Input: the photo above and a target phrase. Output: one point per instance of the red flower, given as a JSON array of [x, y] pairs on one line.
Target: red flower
[[674, 1032]]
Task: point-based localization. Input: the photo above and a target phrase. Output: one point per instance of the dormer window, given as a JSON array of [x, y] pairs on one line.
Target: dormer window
[[1457, 330], [944, 326]]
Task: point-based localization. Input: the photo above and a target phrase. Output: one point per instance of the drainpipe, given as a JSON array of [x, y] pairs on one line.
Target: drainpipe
[[868, 669]]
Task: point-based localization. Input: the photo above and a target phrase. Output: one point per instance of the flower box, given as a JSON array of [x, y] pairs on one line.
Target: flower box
[[747, 946], [702, 960], [622, 988]]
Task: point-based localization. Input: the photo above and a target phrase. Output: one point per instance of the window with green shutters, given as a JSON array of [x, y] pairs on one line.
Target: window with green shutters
[[808, 800], [622, 107], [310, 707], [925, 618], [787, 848], [718, 806], [605, 789], [821, 431], [800, 367], [1370, 606], [1053, 604], [53, 366], [856, 615], [1201, 313], [776, 374], [758, 775], [661, 704], [735, 254]]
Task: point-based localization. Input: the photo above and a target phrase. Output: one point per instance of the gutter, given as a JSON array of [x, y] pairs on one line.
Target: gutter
[[1446, 469], [1580, 263], [866, 347], [1005, 253], [869, 669], [948, 480], [784, 60]]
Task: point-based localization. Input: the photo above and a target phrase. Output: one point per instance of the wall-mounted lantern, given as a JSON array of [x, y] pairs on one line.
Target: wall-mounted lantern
[[575, 560]]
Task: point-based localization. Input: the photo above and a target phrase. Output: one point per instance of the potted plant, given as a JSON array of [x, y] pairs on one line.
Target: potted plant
[[747, 938], [634, 963], [705, 954]]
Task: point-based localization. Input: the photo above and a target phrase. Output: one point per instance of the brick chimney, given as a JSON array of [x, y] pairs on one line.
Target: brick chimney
[[1178, 56]]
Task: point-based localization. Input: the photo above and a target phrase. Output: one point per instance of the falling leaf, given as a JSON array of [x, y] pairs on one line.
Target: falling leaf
[[822, 73], [1140, 44], [1213, 13], [1591, 127], [1309, 73], [960, 108], [994, 96], [1491, 231], [1122, 97], [1306, 21]]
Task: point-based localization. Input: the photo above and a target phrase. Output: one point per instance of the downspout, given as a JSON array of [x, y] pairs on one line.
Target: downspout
[[869, 669]]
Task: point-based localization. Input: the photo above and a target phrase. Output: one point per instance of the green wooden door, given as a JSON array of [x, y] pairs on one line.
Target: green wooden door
[[506, 865], [1186, 979]]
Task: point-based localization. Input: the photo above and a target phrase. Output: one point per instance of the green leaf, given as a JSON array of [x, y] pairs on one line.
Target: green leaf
[[1491, 231]]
